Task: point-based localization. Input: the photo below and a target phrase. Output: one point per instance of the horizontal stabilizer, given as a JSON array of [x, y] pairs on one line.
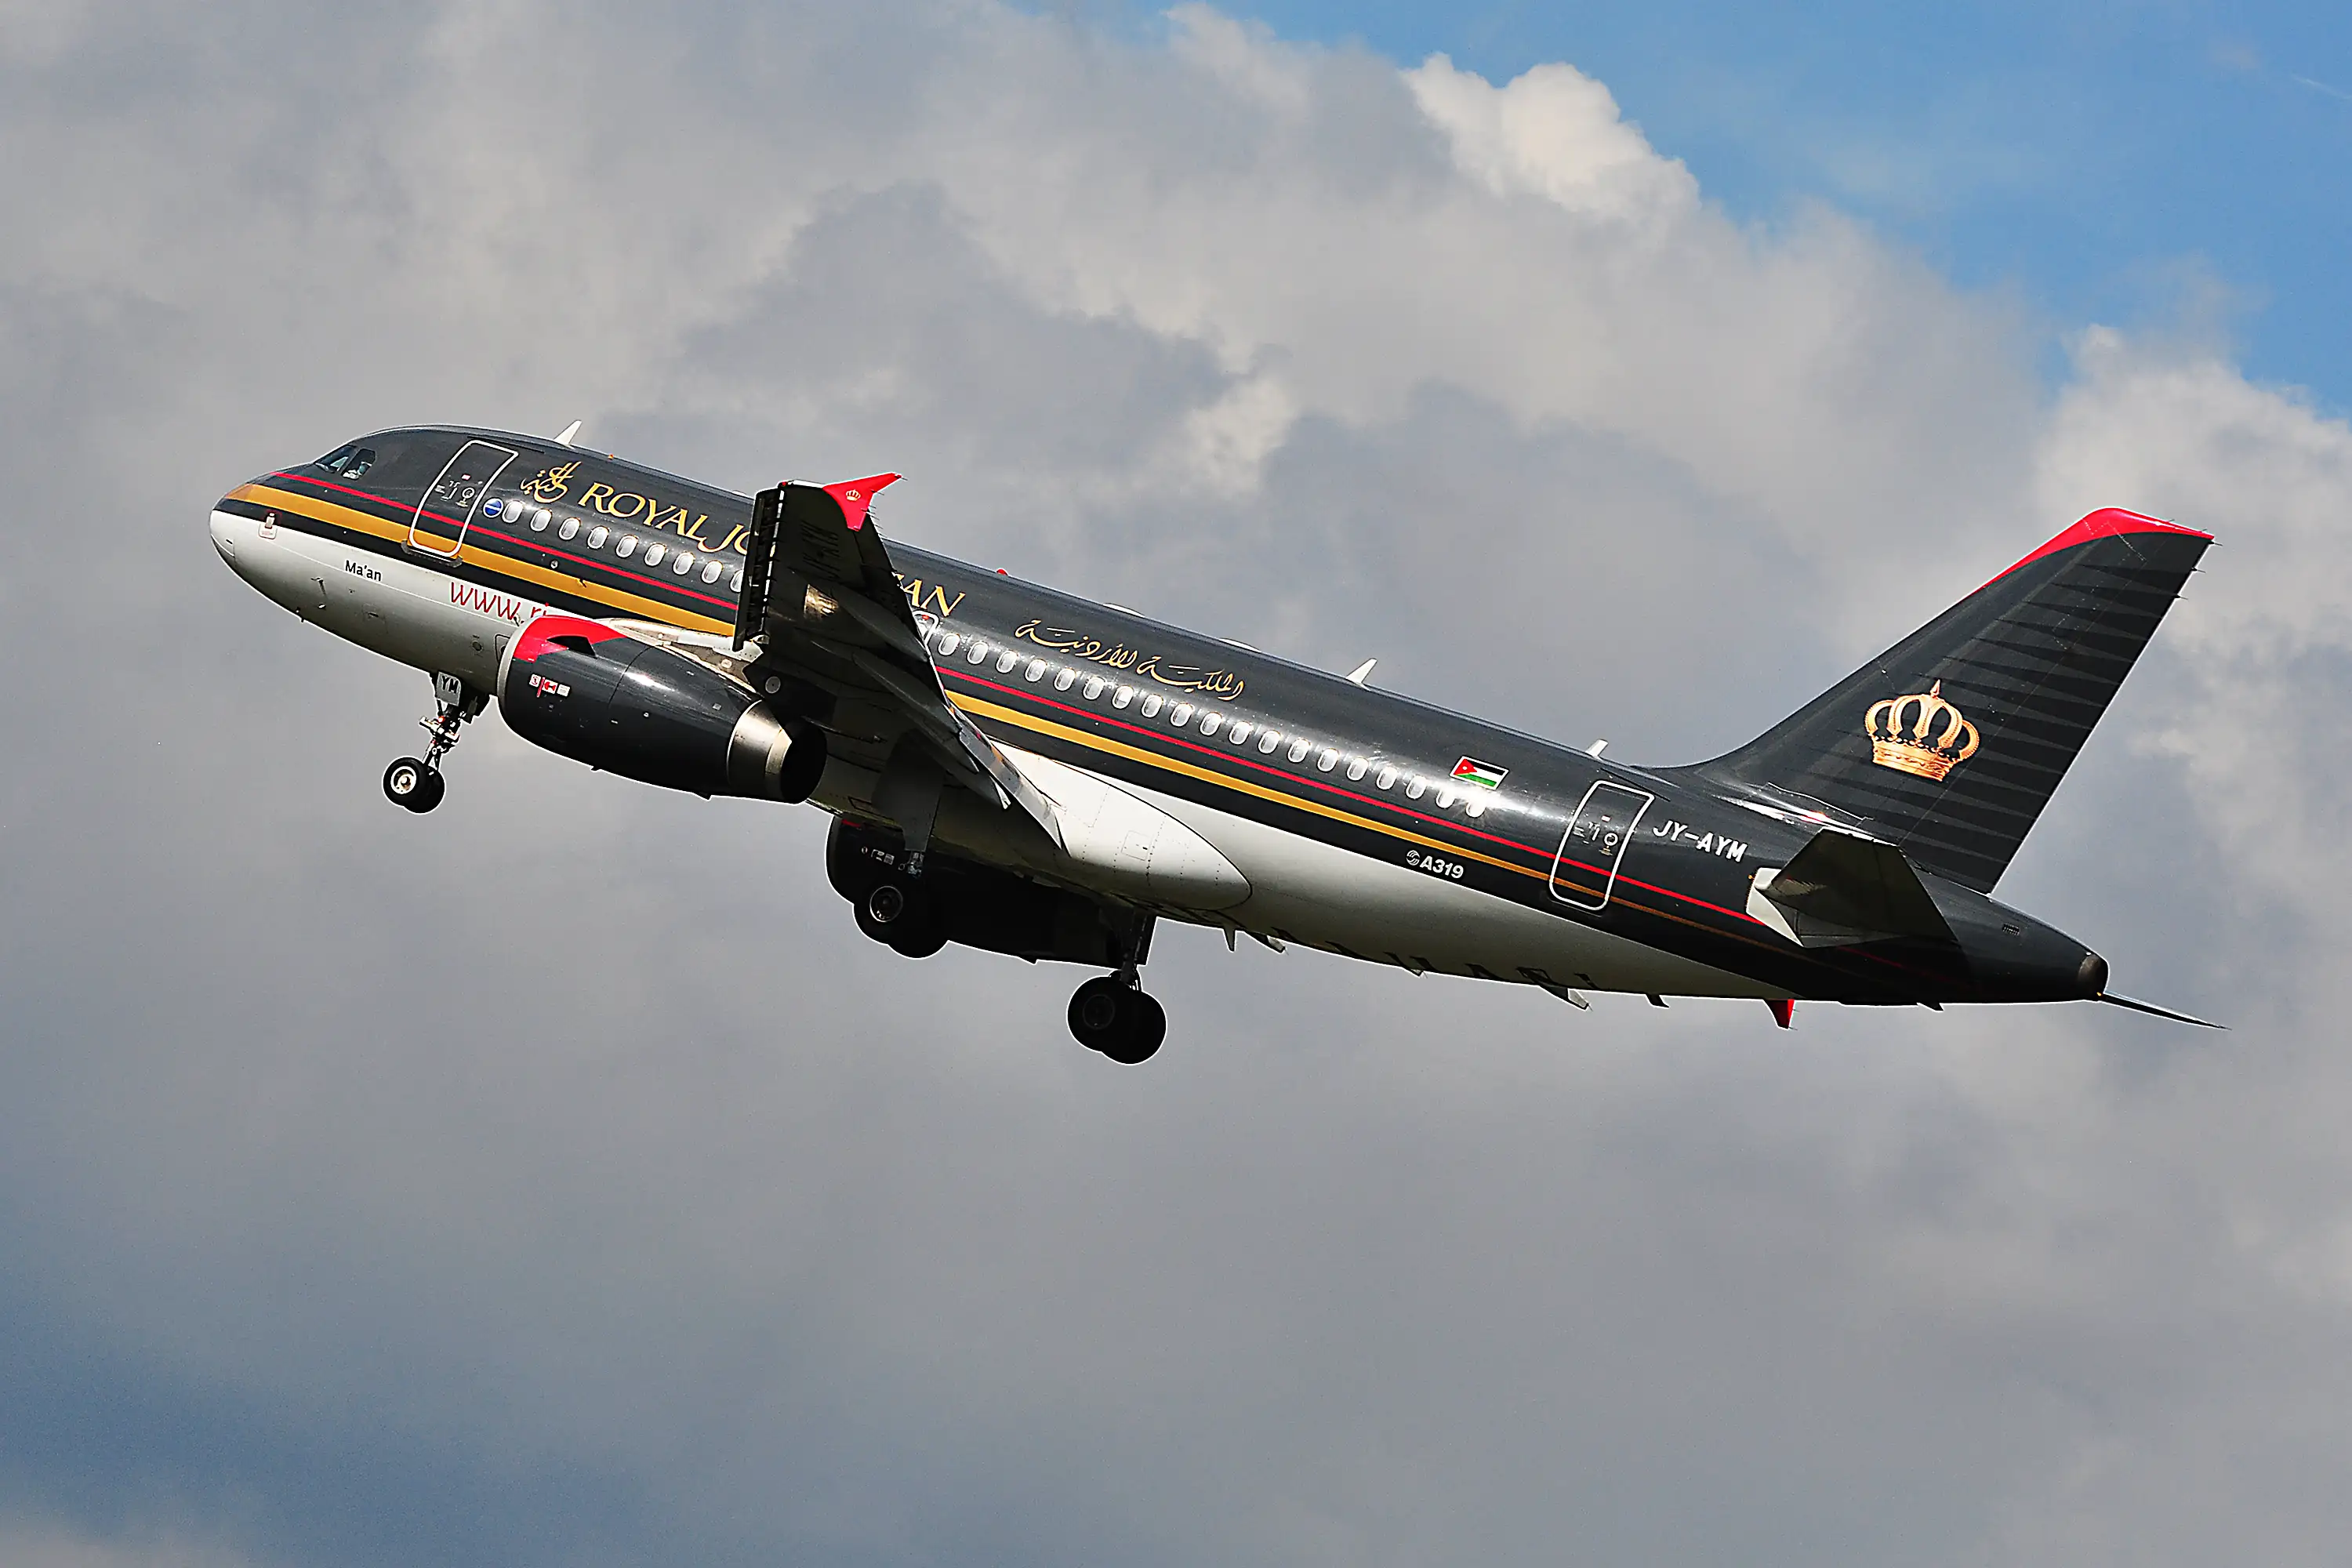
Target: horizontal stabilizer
[[1842, 888]]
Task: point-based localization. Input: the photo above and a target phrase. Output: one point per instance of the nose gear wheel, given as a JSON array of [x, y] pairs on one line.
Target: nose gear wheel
[[416, 783]]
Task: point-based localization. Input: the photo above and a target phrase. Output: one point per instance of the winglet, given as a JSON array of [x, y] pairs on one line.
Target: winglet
[[854, 496]]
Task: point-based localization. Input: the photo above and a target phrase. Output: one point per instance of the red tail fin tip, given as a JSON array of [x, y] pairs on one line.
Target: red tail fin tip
[[2104, 524]]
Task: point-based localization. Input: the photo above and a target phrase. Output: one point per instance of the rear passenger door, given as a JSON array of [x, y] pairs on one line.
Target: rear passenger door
[[1584, 872]]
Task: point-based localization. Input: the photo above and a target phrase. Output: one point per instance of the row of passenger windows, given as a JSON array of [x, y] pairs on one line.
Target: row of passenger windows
[[1241, 733], [681, 563]]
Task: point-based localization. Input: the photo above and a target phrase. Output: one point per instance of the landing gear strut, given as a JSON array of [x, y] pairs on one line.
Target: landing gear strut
[[1112, 1014], [416, 783]]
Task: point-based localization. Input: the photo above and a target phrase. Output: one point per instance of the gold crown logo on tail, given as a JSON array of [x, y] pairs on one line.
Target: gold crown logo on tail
[[1920, 733]]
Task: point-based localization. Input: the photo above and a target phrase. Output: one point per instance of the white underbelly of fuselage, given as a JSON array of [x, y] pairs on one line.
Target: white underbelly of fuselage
[[414, 611], [1303, 890]]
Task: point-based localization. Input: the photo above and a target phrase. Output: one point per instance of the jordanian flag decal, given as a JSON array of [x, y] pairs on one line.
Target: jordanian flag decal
[[1486, 775]]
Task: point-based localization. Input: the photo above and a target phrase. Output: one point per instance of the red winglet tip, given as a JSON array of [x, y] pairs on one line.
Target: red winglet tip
[[2104, 524], [855, 496], [1784, 1009]]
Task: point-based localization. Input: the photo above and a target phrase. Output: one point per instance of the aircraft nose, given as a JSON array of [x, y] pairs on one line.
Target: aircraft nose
[[224, 540]]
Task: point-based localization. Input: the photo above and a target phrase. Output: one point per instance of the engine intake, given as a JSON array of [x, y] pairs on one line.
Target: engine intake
[[586, 691]]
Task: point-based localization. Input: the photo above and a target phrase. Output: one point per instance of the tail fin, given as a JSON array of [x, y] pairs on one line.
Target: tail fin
[[1951, 741]]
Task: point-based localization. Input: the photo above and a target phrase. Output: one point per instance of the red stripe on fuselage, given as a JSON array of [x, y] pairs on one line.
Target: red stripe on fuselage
[[480, 527], [1541, 856]]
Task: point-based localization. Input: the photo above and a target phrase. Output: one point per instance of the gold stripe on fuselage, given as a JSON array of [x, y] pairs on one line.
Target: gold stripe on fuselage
[[983, 709], [520, 571]]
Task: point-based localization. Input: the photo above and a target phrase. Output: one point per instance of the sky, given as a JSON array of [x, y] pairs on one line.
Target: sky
[[561, 1179]]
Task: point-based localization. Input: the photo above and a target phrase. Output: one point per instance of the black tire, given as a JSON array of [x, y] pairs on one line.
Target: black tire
[[902, 917], [1146, 1027], [1101, 1013], [409, 783]]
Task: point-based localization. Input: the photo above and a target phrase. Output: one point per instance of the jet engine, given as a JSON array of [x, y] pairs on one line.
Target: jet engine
[[596, 695]]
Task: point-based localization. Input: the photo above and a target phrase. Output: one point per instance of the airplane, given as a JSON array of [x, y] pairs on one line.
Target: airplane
[[1034, 773]]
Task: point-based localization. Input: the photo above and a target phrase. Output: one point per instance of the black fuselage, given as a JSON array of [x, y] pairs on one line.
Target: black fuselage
[[1666, 858]]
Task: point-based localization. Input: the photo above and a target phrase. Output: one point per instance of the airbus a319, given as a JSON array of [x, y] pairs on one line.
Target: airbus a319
[[1038, 774]]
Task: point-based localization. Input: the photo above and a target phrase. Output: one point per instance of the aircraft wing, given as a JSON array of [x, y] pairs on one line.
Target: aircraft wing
[[821, 601]]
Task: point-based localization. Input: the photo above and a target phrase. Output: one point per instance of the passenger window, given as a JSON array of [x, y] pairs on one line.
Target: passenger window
[[1066, 680], [571, 526], [1412, 790], [1269, 741], [596, 535], [1209, 722], [1094, 684], [1182, 716], [711, 571], [540, 518], [736, 586], [1444, 796], [1006, 660], [627, 547], [1240, 731], [1036, 671], [684, 563], [1122, 697], [655, 552], [1327, 761], [1387, 778], [1150, 704], [979, 652], [1474, 806], [948, 645], [1298, 750], [1356, 766]]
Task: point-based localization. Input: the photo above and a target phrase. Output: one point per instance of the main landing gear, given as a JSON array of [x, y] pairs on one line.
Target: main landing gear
[[416, 783], [1112, 1014], [915, 904], [900, 914]]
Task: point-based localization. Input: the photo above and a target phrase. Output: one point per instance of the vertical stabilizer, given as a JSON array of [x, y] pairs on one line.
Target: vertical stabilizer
[[1951, 741]]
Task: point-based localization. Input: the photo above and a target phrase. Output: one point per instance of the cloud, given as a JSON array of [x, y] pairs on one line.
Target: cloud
[[561, 1178], [1554, 132]]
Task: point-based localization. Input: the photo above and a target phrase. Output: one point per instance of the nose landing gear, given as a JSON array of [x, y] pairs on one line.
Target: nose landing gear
[[416, 783]]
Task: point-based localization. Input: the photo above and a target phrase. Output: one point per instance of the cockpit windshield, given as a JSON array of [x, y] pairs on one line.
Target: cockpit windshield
[[351, 459]]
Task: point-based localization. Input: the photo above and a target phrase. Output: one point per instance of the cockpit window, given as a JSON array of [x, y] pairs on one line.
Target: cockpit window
[[351, 459]]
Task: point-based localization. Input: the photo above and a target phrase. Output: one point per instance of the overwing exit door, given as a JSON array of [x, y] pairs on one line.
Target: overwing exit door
[[1584, 872], [450, 501]]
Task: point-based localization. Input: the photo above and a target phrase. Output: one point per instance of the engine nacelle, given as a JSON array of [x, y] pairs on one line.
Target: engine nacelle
[[599, 696]]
